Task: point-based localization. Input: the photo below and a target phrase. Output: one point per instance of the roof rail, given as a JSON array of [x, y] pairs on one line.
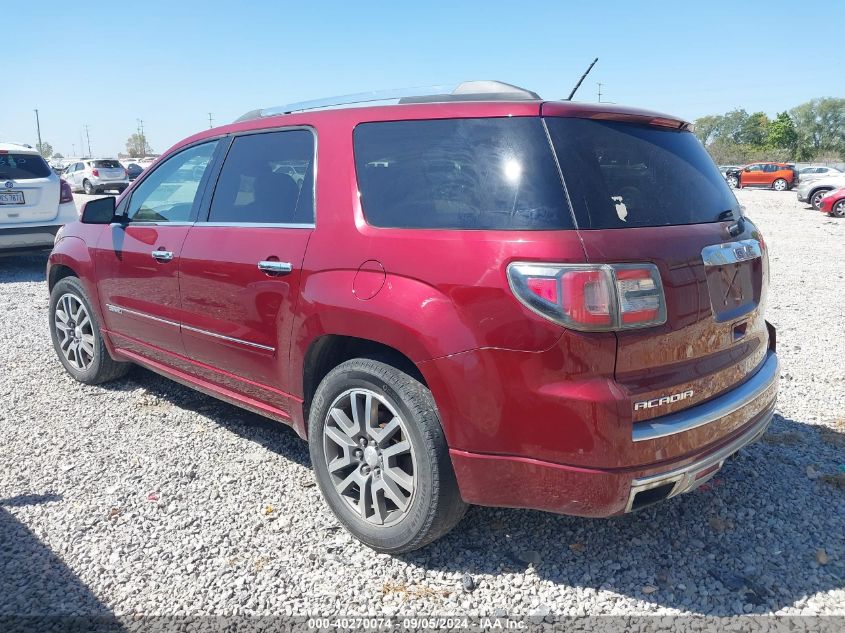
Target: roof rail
[[486, 90]]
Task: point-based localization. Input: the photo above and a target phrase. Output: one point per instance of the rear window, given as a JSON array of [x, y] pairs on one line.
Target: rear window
[[23, 167], [106, 164], [624, 175], [491, 173]]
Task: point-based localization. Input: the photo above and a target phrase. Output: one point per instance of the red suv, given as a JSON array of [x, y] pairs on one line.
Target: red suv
[[475, 296]]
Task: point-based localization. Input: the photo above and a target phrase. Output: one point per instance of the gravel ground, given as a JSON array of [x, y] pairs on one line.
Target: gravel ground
[[146, 497]]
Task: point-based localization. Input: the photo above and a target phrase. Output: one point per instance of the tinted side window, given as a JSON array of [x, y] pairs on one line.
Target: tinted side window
[[460, 174], [770, 168], [267, 178], [169, 193]]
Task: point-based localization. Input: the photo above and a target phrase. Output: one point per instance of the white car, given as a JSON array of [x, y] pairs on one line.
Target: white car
[[95, 175], [811, 190], [812, 172], [34, 202]]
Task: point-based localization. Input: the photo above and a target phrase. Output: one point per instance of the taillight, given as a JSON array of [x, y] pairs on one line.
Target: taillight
[[65, 193], [591, 297], [95, 173]]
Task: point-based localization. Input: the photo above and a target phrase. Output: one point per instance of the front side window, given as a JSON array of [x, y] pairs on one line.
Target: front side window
[[22, 167], [621, 174], [267, 178], [169, 194], [490, 173]]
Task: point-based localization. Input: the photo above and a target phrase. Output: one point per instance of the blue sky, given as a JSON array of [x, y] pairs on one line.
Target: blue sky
[[171, 63]]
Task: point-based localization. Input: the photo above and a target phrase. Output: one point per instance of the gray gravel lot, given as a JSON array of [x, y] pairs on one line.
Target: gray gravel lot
[[143, 496]]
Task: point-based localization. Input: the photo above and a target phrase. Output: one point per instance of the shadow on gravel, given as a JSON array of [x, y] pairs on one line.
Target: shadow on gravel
[[33, 580], [272, 435], [747, 542], [18, 268]]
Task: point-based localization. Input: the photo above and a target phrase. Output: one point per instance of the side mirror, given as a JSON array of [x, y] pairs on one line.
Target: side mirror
[[99, 211]]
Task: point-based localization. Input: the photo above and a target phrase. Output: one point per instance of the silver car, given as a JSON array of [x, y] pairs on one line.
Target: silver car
[[812, 172], [811, 190], [95, 175]]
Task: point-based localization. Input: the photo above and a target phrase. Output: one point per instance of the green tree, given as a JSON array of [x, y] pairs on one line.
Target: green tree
[[137, 146], [45, 149], [820, 124], [782, 133], [58, 156], [754, 129], [707, 128]]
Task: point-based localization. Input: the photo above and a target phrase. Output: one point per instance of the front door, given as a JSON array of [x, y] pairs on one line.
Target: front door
[[137, 261], [241, 268]]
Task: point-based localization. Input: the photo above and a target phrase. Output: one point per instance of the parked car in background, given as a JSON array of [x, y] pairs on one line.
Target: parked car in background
[[133, 170], [726, 168], [813, 189], [817, 171], [34, 201], [596, 345], [777, 176], [833, 203], [96, 175]]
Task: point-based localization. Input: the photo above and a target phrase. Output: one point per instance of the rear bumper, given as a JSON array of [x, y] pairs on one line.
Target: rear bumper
[[521, 482], [36, 236]]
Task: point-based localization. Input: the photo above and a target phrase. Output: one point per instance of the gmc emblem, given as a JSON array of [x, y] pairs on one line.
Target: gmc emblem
[[659, 402]]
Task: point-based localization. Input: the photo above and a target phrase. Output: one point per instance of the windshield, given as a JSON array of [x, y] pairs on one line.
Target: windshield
[[22, 167], [624, 174]]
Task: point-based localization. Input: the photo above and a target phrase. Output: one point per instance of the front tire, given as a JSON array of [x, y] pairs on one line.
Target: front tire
[[780, 185], [839, 209], [381, 458], [733, 182], [816, 198], [88, 188], [76, 335]]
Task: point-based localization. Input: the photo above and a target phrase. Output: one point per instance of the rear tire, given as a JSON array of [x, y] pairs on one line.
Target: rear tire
[[373, 431], [76, 335], [816, 198], [88, 188], [780, 185], [839, 209]]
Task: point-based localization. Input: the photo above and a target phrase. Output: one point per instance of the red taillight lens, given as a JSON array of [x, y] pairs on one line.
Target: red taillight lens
[[591, 297], [95, 173], [65, 193]]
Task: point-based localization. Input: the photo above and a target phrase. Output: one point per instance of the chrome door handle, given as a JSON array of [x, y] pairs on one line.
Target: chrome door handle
[[278, 268], [162, 256]]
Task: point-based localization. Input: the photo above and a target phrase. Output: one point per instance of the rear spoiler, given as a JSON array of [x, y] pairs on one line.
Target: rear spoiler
[[608, 112]]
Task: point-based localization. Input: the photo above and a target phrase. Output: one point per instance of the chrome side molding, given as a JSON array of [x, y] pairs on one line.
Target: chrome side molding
[[731, 252]]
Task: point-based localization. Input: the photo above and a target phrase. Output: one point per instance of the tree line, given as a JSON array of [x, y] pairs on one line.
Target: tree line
[[813, 131]]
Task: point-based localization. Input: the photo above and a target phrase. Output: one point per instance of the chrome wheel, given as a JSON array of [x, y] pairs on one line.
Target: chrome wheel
[[816, 199], [839, 209], [75, 331], [369, 456], [733, 181], [779, 185]]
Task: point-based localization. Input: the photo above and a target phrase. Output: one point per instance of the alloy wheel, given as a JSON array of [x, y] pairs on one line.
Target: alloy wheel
[[370, 457], [780, 185], [75, 331], [839, 209]]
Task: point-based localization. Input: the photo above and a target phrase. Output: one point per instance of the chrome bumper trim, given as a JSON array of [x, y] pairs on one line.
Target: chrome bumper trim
[[714, 409], [684, 478]]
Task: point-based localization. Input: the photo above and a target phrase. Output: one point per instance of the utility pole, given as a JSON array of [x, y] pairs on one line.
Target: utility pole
[[210, 121], [73, 145], [38, 127], [88, 137], [600, 84], [143, 138]]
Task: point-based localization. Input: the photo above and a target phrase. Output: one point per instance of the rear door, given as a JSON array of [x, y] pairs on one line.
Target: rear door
[[137, 263], [29, 190], [241, 268], [652, 194]]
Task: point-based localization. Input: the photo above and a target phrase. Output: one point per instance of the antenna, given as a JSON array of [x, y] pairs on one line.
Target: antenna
[[578, 85]]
